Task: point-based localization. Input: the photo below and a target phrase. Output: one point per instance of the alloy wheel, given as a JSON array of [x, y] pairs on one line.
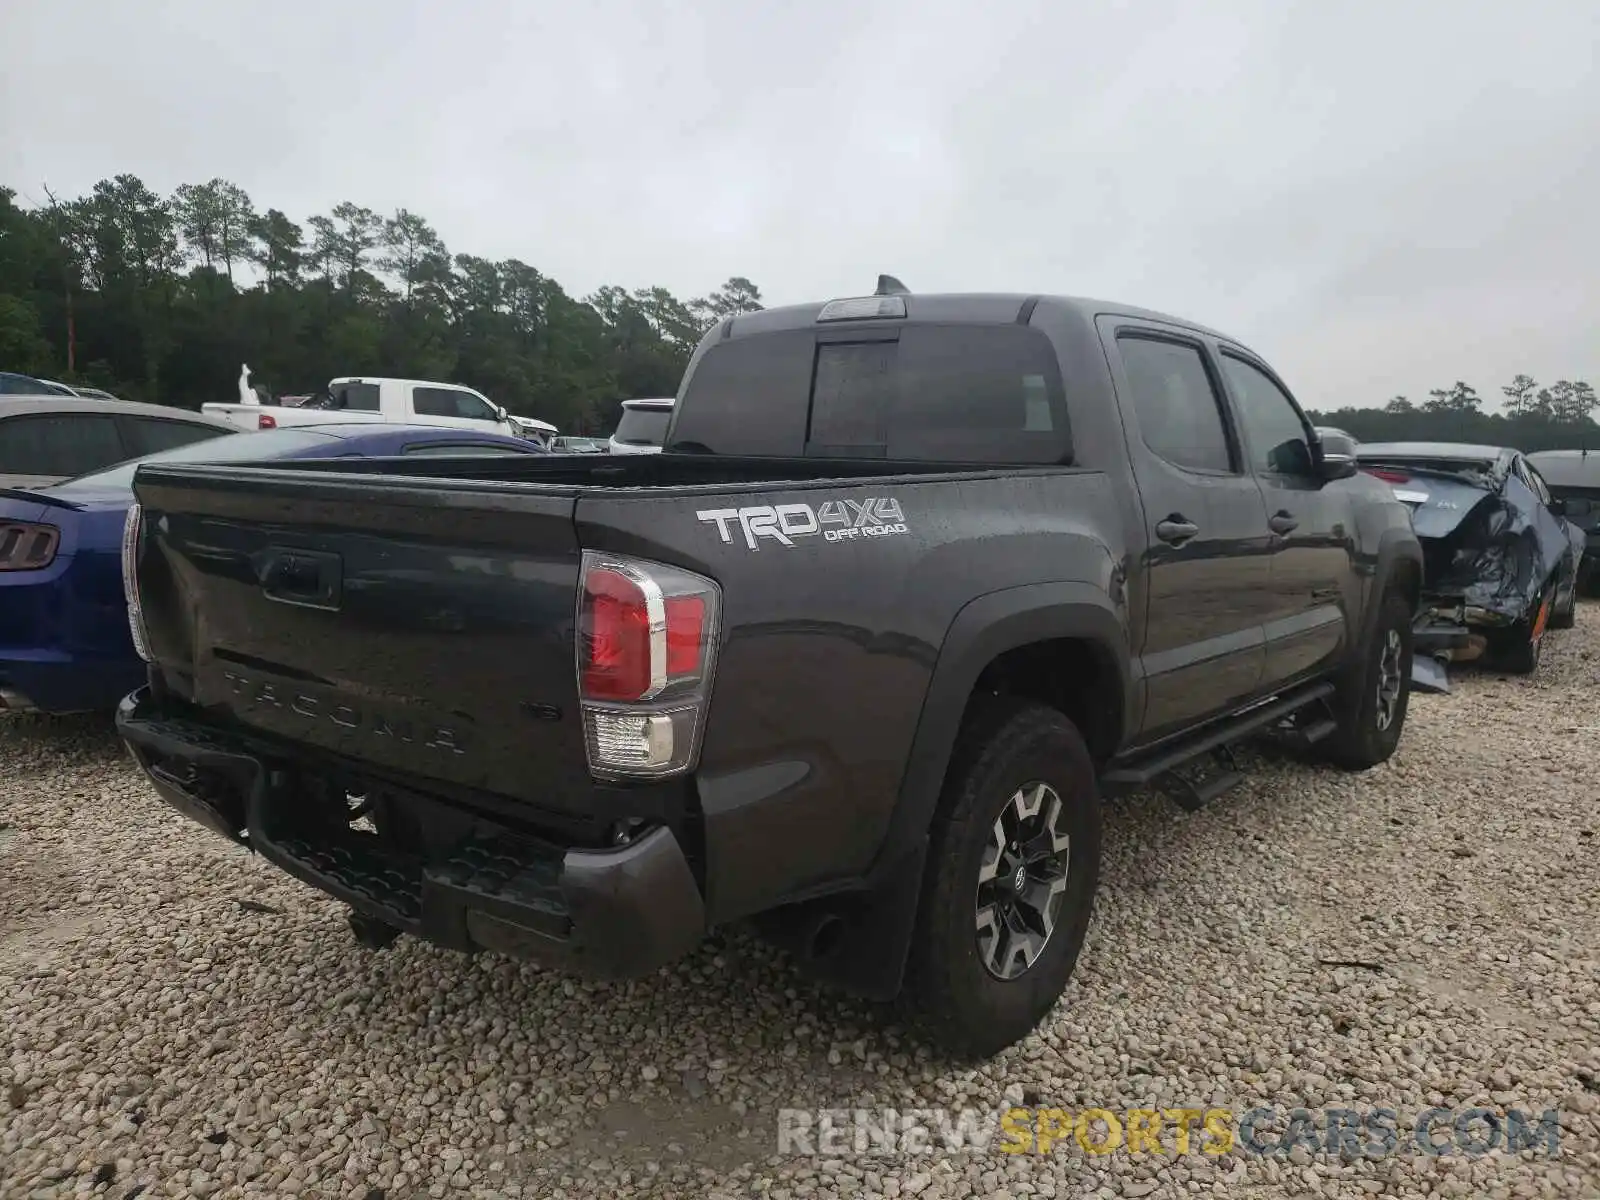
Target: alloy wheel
[[1391, 678], [1021, 880]]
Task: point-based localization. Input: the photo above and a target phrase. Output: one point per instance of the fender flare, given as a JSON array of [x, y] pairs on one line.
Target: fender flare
[[983, 629], [1395, 546]]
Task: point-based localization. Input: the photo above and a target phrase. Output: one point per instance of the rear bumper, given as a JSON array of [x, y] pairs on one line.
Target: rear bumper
[[615, 913]]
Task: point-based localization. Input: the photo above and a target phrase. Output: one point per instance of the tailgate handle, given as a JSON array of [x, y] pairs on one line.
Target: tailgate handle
[[308, 578]]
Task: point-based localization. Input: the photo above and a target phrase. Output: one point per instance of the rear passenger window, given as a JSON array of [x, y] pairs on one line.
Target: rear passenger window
[[1175, 404], [932, 393], [449, 402], [151, 435], [63, 444]]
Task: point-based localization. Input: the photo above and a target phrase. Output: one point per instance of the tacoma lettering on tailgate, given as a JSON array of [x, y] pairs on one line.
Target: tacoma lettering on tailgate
[[300, 700]]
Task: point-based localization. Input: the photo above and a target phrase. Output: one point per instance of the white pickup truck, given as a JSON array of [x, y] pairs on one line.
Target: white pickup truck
[[349, 399]]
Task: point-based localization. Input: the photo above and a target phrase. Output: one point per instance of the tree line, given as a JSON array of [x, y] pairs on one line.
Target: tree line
[[1557, 417], [162, 298]]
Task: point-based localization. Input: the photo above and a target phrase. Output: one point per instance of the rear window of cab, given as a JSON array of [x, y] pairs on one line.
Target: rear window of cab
[[959, 393]]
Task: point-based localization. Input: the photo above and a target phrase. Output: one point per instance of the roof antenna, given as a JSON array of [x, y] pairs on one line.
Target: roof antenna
[[888, 285]]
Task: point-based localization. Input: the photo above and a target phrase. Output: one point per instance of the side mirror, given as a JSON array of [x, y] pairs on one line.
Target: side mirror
[[1336, 456]]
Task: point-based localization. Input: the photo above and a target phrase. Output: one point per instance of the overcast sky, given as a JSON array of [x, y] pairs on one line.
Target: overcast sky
[[1380, 198]]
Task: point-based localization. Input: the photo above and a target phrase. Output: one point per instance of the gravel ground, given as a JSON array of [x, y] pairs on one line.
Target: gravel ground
[[177, 1019]]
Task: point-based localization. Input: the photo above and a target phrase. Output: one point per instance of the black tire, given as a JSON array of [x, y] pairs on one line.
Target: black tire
[[1566, 616], [1370, 721], [1004, 748], [1517, 651]]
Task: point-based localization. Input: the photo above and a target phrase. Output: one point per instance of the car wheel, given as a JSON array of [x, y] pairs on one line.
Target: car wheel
[[1566, 616], [1517, 650], [1013, 862], [1371, 702]]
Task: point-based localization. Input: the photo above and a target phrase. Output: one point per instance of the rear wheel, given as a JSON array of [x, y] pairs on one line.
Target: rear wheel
[[1517, 650], [1372, 698], [1012, 868], [1566, 616]]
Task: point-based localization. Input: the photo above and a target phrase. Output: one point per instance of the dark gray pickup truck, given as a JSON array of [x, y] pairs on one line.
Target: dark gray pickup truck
[[916, 581]]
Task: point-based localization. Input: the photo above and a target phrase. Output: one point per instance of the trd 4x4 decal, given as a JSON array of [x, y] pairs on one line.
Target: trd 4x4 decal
[[835, 520]]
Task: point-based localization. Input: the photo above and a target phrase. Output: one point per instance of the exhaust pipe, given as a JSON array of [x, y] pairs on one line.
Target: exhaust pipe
[[825, 936]]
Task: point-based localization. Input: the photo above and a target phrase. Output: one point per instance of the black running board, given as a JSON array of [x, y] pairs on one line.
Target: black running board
[[1142, 771]]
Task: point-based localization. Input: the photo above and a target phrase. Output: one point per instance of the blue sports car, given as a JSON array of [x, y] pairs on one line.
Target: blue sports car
[[64, 639]]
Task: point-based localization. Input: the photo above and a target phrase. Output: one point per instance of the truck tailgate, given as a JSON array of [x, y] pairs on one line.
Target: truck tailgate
[[417, 627]]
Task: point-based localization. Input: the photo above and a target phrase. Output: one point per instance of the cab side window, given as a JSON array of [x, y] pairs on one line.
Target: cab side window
[[1279, 442], [450, 402], [1174, 402]]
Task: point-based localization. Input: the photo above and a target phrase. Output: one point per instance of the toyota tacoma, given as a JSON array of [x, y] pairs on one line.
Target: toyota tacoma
[[916, 581]]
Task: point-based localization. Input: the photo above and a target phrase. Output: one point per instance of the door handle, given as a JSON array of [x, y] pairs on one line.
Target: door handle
[[1282, 522], [1176, 529]]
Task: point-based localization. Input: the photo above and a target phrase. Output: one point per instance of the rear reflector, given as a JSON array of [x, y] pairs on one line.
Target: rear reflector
[[1387, 474], [646, 645], [266, 421], [132, 536], [27, 547], [863, 308]]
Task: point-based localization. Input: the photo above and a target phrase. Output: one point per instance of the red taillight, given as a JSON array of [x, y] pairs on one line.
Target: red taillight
[[266, 421], [1387, 475], [25, 547], [647, 637], [625, 654], [616, 633]]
